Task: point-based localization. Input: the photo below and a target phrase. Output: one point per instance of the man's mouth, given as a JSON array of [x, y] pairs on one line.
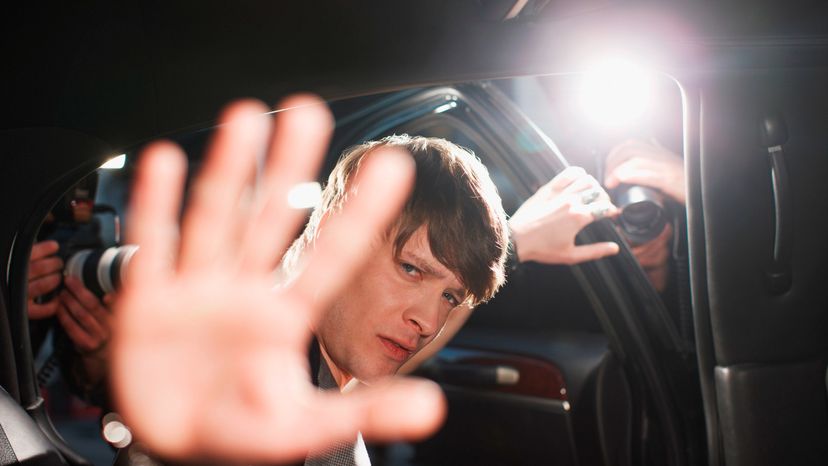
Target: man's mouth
[[395, 349]]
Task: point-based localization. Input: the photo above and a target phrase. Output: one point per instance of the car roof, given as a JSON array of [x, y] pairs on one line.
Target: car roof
[[130, 71]]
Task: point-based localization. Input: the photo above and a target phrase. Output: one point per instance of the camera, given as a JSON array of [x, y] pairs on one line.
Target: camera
[[643, 213], [100, 270], [75, 224]]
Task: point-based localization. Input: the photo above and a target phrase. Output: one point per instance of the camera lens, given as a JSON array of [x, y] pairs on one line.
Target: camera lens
[[100, 270], [642, 213]]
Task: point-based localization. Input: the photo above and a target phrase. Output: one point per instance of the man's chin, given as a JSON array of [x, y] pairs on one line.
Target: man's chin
[[371, 377]]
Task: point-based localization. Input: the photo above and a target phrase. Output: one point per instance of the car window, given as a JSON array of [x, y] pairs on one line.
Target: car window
[[541, 120]]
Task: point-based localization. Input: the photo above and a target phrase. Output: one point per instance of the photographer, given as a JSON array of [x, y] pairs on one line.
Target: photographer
[[663, 258], [80, 340], [641, 163]]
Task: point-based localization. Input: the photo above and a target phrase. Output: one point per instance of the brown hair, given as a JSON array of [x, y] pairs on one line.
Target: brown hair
[[453, 196]]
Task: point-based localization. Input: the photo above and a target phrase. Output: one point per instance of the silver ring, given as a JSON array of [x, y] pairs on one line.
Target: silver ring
[[598, 211], [588, 197]]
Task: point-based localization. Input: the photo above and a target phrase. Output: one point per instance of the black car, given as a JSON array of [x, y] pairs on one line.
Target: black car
[[728, 368]]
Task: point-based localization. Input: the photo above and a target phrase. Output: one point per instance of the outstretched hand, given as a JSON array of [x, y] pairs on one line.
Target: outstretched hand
[[209, 359], [545, 226]]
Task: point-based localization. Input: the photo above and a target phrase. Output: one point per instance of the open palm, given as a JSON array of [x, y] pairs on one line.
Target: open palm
[[209, 357]]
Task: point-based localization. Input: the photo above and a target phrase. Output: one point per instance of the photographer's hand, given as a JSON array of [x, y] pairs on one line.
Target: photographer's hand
[[209, 360], [646, 164], [44, 277], [86, 321], [545, 226], [83, 317]]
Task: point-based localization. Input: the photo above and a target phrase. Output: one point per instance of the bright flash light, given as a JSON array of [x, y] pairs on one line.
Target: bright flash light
[[115, 163], [616, 93], [305, 195]]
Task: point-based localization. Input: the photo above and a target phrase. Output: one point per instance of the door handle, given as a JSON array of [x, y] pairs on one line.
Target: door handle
[[774, 134], [469, 375]]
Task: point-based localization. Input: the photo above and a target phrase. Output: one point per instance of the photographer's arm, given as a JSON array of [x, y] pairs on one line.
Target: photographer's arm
[[545, 226], [209, 360]]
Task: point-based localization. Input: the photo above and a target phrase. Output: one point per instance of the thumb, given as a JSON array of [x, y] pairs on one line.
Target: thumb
[[390, 410], [588, 252], [403, 409], [611, 181]]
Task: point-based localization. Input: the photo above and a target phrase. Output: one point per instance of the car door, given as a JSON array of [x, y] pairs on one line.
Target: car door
[[579, 350], [757, 210]]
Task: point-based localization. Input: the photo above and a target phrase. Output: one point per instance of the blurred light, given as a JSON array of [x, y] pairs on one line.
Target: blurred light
[[305, 195], [115, 432], [616, 93], [115, 163], [445, 107]]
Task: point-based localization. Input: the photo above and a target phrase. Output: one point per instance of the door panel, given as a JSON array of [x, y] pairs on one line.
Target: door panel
[[769, 349]]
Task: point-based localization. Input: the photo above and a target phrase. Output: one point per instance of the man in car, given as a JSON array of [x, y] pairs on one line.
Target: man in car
[[447, 248], [199, 317]]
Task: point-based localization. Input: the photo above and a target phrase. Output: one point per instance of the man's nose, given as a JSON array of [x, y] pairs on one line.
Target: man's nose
[[424, 317]]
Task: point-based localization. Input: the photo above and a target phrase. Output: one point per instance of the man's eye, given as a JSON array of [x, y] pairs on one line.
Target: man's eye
[[408, 268], [450, 298]]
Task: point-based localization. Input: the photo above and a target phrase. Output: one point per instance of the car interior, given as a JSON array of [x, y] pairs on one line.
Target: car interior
[[575, 365]]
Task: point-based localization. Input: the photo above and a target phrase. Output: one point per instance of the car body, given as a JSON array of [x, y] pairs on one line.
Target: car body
[[87, 81]]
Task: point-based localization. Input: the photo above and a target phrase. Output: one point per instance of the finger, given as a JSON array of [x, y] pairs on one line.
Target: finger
[[379, 189], [80, 314], [565, 178], [620, 153], [636, 171], [43, 249], [37, 311], [584, 183], [76, 333], [43, 285], [210, 222], [154, 205], [85, 297], [588, 252], [108, 300], [44, 266], [595, 211], [300, 139], [403, 410], [91, 304]]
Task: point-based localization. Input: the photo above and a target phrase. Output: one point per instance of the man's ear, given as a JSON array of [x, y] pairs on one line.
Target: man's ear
[[454, 323]]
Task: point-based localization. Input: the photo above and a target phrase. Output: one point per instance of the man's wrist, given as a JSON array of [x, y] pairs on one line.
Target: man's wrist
[[512, 256]]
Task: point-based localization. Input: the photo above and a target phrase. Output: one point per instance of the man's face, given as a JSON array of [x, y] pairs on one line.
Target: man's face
[[392, 309]]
